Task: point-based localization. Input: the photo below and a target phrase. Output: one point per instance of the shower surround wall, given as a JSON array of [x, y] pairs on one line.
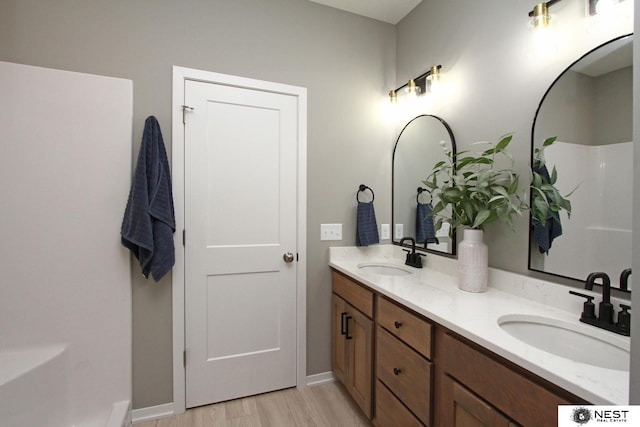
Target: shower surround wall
[[65, 284]]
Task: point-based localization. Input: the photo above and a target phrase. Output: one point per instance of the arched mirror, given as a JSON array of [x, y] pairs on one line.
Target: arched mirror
[[418, 148], [589, 109]]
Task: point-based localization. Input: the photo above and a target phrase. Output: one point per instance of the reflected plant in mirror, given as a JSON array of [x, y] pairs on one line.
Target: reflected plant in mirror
[[546, 200], [589, 108], [416, 151]]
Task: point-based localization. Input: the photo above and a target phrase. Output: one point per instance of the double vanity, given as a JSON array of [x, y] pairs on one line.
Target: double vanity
[[413, 349]]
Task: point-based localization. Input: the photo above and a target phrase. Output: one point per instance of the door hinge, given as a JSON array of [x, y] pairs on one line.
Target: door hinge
[[184, 238], [184, 358], [184, 112]]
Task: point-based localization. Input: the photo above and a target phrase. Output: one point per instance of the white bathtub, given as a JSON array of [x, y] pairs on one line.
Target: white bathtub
[[35, 391]]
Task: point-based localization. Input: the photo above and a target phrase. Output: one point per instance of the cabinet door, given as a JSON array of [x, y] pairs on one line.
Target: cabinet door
[[338, 342], [468, 410], [359, 339]]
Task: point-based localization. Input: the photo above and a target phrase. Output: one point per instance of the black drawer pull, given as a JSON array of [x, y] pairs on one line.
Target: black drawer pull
[[397, 371], [347, 328], [397, 324], [343, 330]]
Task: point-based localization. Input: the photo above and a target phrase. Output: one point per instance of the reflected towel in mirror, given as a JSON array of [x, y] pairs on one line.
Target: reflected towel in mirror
[[425, 230]]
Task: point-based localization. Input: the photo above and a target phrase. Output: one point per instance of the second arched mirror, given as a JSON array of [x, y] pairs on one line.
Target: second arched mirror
[[589, 109], [418, 148]]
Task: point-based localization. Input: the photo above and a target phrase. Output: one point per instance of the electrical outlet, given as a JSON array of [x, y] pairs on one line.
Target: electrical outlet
[[399, 231], [330, 231], [384, 231]]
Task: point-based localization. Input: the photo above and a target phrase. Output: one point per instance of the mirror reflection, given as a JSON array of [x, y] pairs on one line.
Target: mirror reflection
[[418, 148], [589, 109]]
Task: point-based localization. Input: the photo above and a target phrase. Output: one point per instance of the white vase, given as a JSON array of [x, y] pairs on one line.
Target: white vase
[[473, 262]]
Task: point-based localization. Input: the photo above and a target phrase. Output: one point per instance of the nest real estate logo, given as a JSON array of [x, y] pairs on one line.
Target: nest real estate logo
[[578, 416]]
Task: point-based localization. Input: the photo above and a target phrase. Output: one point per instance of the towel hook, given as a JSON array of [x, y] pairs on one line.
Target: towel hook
[[421, 190], [363, 188]]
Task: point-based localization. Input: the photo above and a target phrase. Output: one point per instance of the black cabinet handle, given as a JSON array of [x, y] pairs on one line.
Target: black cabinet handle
[[397, 371], [347, 328], [343, 330], [397, 324]]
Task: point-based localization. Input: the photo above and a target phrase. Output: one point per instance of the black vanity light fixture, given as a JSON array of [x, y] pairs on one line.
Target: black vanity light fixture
[[418, 85]]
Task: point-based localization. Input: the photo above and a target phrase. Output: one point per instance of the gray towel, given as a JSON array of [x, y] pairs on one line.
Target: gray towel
[[149, 221], [366, 226]]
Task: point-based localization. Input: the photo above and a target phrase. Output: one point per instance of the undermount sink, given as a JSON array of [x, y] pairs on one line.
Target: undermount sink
[[385, 269], [577, 342]]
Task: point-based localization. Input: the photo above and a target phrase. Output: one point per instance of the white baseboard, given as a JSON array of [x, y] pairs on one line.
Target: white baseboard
[[322, 378], [166, 410], [152, 413]]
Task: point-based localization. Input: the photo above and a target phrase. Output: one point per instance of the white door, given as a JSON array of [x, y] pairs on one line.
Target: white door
[[240, 222]]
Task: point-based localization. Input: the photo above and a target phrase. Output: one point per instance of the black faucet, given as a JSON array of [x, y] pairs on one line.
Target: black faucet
[[605, 308], [413, 258], [624, 279]]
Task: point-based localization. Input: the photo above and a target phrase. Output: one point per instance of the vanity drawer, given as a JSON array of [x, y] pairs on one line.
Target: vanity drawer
[[356, 295], [405, 372], [405, 325], [518, 395], [390, 411]]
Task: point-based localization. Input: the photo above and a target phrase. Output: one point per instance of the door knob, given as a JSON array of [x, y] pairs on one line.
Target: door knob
[[288, 257]]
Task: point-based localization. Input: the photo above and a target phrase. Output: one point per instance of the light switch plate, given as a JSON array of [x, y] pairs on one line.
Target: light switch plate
[[399, 231], [384, 231], [330, 231]]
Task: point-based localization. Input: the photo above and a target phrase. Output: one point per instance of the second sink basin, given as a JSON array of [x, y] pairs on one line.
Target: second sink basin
[[385, 269], [577, 342]]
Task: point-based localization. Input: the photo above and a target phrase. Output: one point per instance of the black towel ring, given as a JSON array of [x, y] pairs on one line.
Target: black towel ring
[[363, 188], [421, 190]]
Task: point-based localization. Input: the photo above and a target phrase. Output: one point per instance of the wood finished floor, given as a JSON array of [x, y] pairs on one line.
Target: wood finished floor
[[321, 405]]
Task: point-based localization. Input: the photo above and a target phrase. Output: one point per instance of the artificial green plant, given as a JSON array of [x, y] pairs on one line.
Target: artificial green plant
[[472, 191]]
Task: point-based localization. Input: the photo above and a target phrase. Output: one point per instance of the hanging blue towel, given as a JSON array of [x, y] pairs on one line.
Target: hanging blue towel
[[366, 226], [149, 221], [544, 234], [425, 230]]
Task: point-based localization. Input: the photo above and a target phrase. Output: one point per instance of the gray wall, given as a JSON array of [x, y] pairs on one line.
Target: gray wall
[[613, 115], [347, 63], [588, 110]]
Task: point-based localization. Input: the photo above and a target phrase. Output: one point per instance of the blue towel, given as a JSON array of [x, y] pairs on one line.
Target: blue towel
[[149, 221], [425, 230], [366, 226], [544, 234]]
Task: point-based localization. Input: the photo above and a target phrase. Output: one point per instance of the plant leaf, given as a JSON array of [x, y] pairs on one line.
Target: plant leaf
[[481, 218]]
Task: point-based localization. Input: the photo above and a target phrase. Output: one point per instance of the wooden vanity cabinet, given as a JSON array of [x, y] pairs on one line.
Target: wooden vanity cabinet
[[425, 374], [479, 388], [403, 367], [352, 339]]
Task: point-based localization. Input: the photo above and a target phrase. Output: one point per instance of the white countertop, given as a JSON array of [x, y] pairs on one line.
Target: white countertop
[[433, 292]]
